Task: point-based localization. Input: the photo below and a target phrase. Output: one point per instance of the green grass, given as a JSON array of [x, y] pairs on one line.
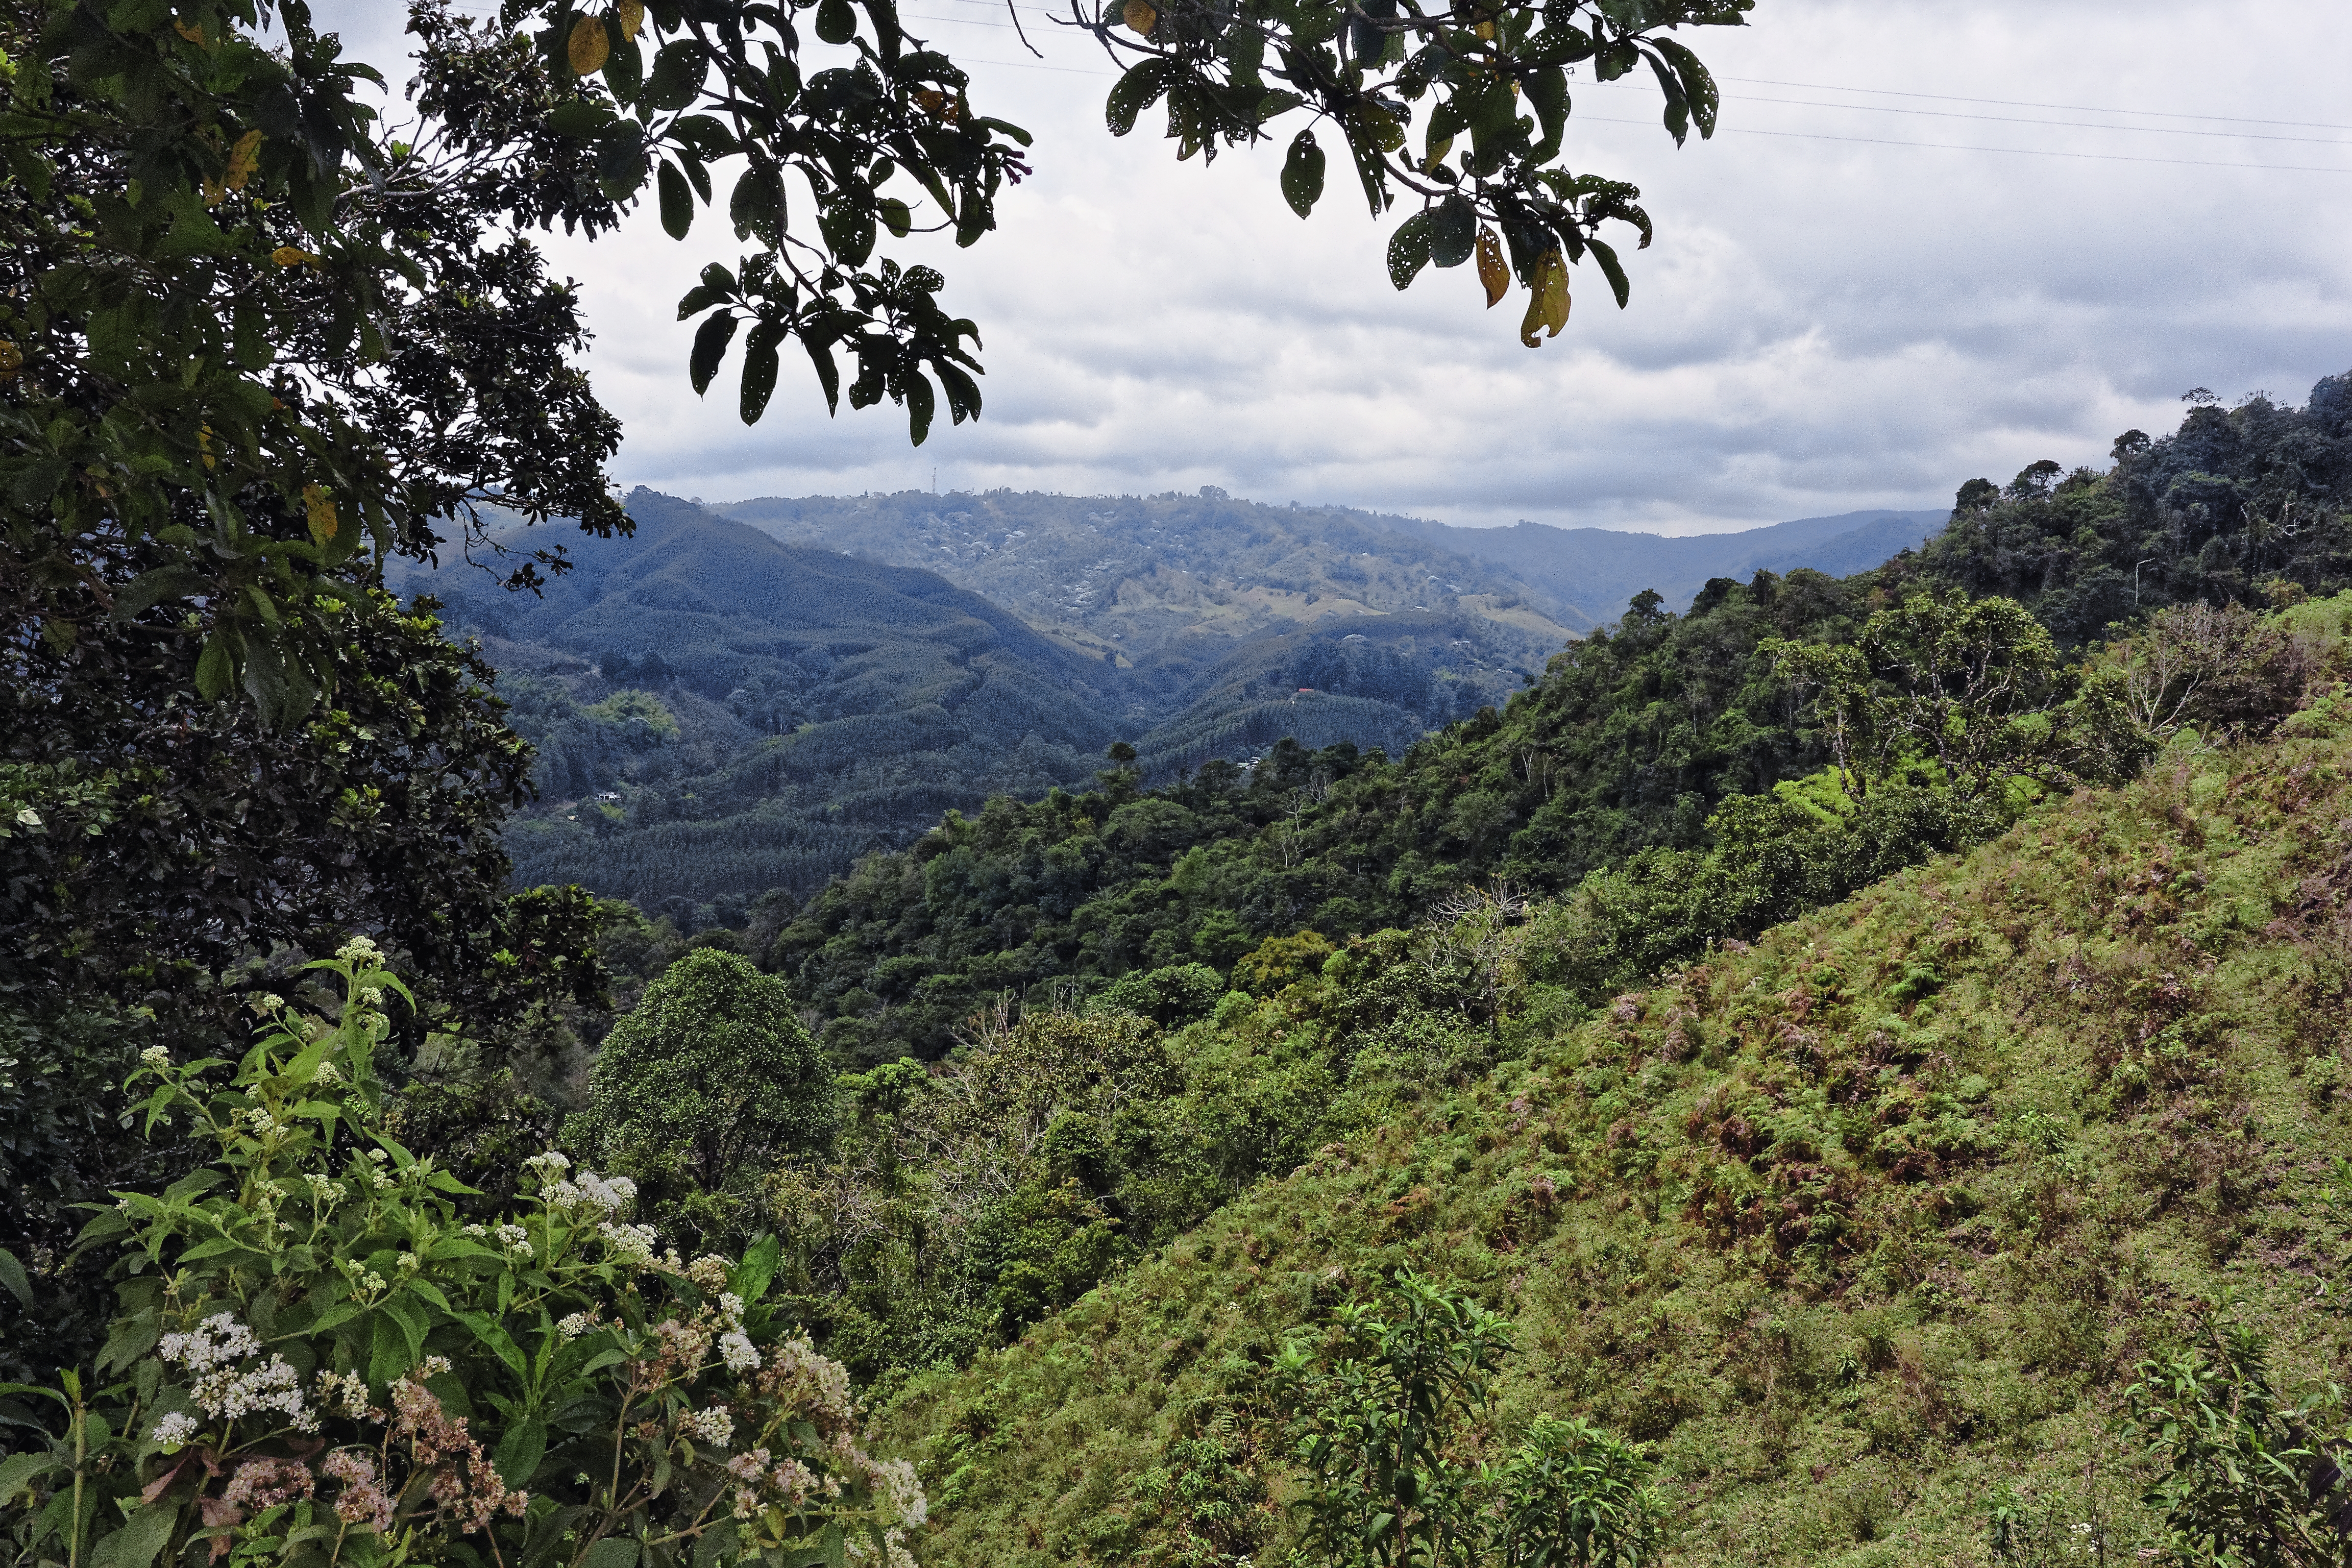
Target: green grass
[[1852, 1228]]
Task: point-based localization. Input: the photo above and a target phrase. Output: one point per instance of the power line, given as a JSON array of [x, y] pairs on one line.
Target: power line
[[2018, 103], [2020, 119], [2020, 151]]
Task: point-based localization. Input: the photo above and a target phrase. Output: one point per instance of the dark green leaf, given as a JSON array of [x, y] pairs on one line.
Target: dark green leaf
[[757, 207], [610, 1553], [1698, 84], [216, 667], [710, 340], [142, 1535], [520, 1451], [1136, 91], [11, 1275], [750, 1278], [1611, 268], [828, 375], [1409, 249], [676, 200], [678, 74], [759, 368], [1453, 231], [836, 22], [920, 405], [1302, 174]]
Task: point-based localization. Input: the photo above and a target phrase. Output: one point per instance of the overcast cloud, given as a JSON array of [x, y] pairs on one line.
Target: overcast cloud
[[1823, 324]]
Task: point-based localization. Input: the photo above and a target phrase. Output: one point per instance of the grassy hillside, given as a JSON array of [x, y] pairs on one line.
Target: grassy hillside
[[1853, 1227]]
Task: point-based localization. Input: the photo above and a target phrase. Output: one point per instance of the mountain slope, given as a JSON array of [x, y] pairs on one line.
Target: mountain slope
[[719, 713], [1163, 581], [1855, 1227]]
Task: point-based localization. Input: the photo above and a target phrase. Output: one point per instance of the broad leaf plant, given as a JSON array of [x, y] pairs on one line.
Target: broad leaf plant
[[320, 1362]]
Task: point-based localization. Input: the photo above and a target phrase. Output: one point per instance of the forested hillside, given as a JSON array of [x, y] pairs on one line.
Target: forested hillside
[[1630, 742]]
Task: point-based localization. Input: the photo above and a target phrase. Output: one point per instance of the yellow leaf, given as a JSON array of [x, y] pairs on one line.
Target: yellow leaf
[[1139, 17], [12, 360], [194, 34], [1547, 299], [632, 14], [589, 47], [321, 507], [1492, 273], [243, 159], [1555, 290], [292, 256]]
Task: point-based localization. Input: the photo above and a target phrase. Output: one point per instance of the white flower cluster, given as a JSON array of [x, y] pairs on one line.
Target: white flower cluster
[[590, 1193], [156, 1056], [376, 1174], [325, 1189], [327, 1074], [736, 1350], [173, 1431], [901, 1493], [265, 1003], [631, 1244], [261, 1122], [714, 1426], [548, 1165], [227, 1395], [708, 1272], [577, 1324], [346, 1391], [514, 1238], [359, 949], [218, 1340]]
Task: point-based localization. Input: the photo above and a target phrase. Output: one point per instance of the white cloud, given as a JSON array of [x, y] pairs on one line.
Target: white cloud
[[1823, 324]]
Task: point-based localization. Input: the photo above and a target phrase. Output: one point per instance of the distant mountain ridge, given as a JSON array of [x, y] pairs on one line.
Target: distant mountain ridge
[[1098, 572], [1592, 571]]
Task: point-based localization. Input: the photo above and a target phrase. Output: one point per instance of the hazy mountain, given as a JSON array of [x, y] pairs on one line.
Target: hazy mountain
[[1582, 575]]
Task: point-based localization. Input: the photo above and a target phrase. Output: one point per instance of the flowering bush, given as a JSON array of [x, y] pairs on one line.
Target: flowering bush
[[317, 1362]]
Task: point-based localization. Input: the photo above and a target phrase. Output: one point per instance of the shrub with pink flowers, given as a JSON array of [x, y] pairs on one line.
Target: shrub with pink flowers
[[319, 1362]]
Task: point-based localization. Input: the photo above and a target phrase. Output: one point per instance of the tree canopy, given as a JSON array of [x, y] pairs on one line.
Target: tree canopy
[[253, 324], [712, 1074]]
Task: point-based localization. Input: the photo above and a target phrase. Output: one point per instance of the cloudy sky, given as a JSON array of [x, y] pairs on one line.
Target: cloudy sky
[[1930, 242]]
